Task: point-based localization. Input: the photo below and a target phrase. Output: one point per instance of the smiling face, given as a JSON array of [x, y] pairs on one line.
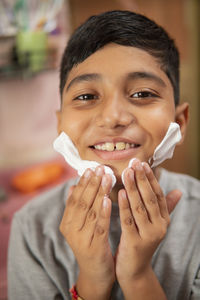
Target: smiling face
[[116, 105]]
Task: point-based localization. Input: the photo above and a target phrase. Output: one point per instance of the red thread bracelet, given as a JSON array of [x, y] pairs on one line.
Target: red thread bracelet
[[74, 293]]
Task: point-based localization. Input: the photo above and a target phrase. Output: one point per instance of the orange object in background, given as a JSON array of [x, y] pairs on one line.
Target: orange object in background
[[38, 176]]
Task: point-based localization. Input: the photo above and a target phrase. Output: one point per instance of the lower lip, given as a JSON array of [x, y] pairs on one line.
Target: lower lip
[[117, 154]]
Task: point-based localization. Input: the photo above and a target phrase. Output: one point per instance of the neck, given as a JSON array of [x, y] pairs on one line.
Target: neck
[[114, 192]]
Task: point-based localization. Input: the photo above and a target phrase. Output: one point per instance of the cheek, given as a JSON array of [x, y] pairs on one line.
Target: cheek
[[73, 125], [159, 121], [159, 131]]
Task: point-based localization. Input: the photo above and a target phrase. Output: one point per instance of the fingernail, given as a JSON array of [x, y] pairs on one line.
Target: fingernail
[[105, 201], [131, 174], [146, 167], [104, 181], [123, 194], [123, 173], [99, 171], [87, 173], [138, 166], [134, 161]]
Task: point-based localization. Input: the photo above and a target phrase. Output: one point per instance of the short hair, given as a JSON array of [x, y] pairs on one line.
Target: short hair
[[125, 28]]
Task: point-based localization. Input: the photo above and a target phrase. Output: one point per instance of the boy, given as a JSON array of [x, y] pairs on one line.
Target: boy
[[120, 93]]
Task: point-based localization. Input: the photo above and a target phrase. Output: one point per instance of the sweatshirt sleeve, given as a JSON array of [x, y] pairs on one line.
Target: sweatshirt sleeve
[[195, 293], [27, 278]]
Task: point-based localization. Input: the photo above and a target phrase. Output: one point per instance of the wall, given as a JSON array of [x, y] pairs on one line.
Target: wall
[[27, 110], [27, 120]]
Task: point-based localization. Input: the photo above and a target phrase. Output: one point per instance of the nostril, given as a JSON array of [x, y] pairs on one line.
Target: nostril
[[115, 120]]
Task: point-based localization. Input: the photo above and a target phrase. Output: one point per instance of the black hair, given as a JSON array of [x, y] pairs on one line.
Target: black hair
[[127, 29]]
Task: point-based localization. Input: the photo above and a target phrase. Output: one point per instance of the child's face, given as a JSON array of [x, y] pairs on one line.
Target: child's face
[[118, 97]]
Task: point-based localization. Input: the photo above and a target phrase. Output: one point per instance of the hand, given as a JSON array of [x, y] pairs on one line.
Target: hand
[[85, 226], [172, 198], [144, 220]]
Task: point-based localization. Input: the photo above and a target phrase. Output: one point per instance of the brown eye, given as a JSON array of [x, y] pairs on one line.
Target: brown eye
[[86, 97], [144, 94]]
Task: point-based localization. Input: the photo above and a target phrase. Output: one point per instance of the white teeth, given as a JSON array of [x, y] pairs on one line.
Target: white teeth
[[114, 146]]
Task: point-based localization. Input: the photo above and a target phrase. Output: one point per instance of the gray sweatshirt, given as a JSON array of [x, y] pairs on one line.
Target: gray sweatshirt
[[41, 265]]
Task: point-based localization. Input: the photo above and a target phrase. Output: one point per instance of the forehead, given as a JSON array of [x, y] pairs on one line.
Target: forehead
[[114, 62]]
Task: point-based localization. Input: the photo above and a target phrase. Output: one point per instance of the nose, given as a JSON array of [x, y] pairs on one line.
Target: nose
[[114, 113]]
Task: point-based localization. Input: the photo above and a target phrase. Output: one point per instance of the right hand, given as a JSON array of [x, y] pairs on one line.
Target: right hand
[[85, 227]]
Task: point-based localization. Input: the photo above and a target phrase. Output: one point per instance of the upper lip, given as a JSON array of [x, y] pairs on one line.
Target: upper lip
[[115, 140]]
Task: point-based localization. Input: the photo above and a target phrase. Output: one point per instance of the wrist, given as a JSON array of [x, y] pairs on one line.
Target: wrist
[[144, 286], [126, 277], [90, 289], [136, 279]]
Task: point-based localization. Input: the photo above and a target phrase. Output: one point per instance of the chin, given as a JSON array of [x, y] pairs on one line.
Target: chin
[[118, 172]]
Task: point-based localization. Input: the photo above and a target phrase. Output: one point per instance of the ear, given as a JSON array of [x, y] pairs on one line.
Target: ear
[[58, 115], [182, 118]]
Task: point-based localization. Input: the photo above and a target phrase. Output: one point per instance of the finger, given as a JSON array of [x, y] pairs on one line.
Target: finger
[[95, 210], [147, 194], [79, 188], [158, 192], [127, 220], [85, 202], [70, 190], [101, 230], [74, 196], [104, 189], [137, 206], [172, 199]]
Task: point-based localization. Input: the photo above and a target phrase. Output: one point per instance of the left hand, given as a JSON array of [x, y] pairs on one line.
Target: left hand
[[144, 221]]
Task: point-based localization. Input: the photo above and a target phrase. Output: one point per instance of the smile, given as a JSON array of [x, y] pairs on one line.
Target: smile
[[118, 146]]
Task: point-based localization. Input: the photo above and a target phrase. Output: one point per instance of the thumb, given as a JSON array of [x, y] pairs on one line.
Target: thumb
[[172, 199]]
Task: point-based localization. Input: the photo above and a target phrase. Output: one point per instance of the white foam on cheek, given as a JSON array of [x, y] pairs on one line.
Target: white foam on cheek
[[64, 145], [165, 149]]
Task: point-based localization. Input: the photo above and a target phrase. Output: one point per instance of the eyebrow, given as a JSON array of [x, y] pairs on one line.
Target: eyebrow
[[84, 77], [130, 76], [146, 75]]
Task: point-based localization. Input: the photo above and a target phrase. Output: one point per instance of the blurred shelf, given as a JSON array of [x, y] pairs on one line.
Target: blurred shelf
[[27, 64]]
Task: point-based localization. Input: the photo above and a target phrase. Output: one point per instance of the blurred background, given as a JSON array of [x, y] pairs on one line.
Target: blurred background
[[33, 34]]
